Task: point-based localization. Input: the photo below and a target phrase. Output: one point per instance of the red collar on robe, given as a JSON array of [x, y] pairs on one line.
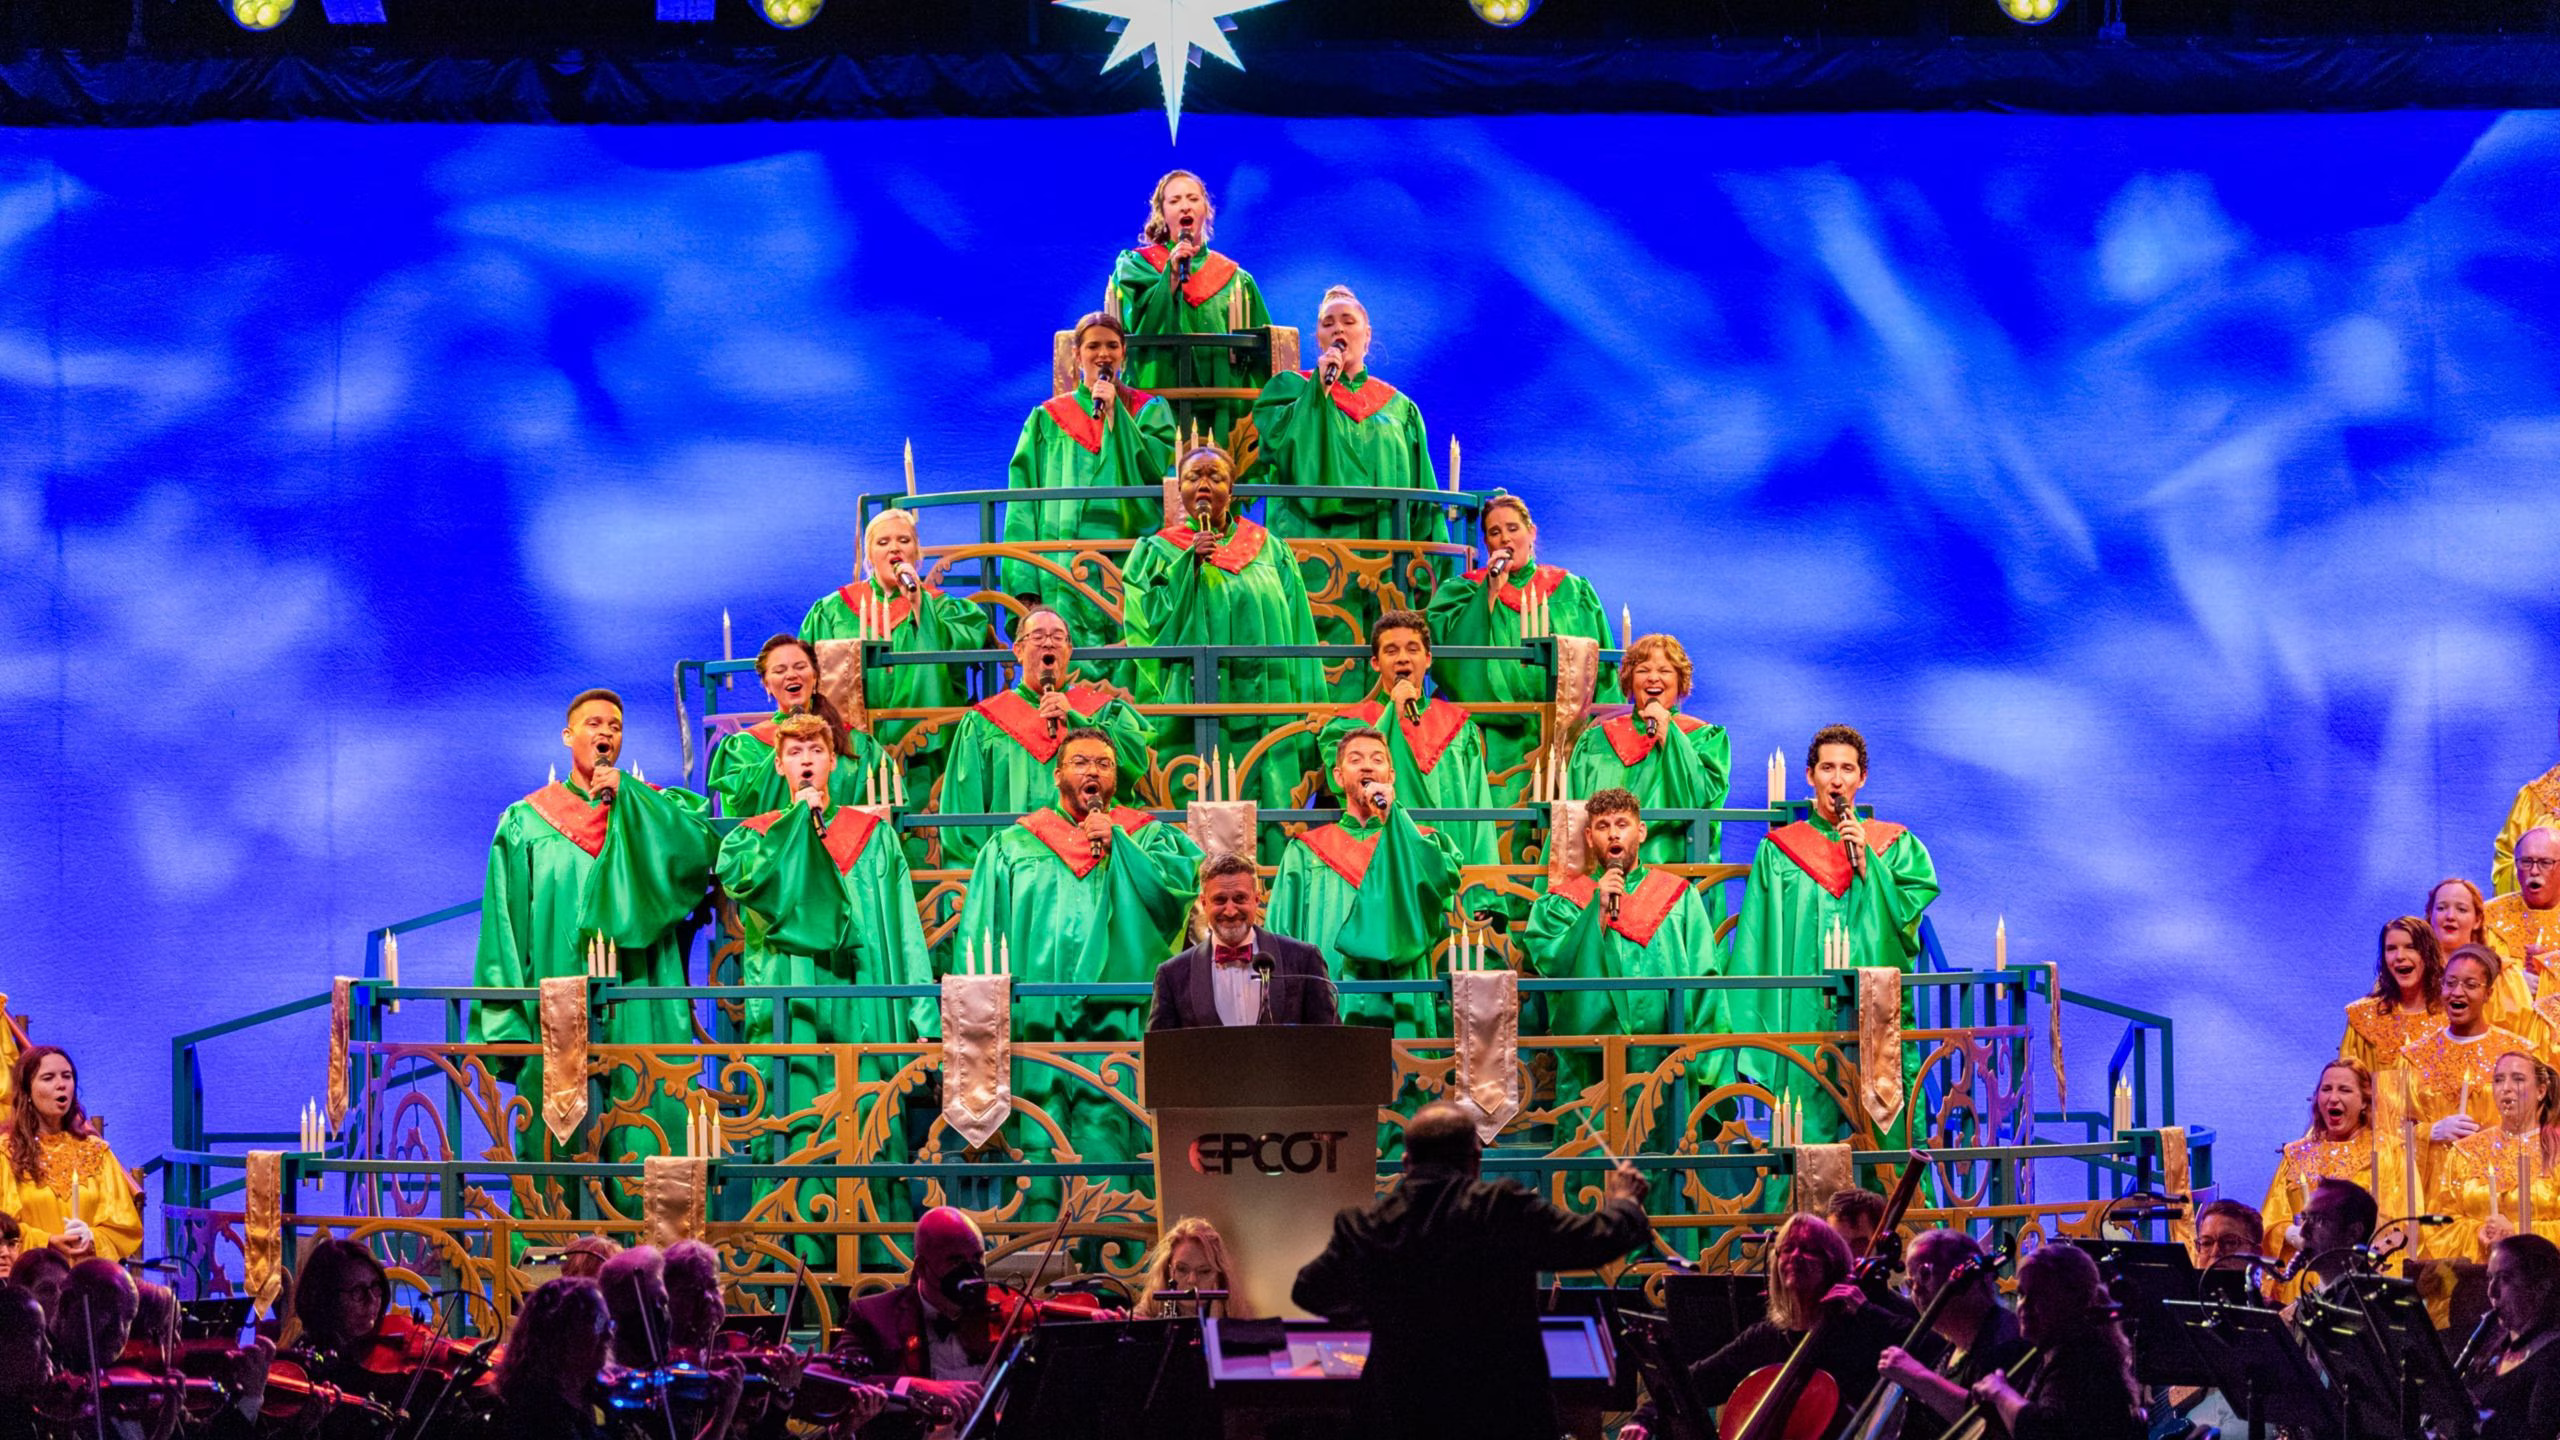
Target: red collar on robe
[[1644, 909], [1082, 425], [582, 822], [1819, 855], [1543, 580], [846, 834], [1373, 396], [764, 730], [1441, 722], [1344, 853], [1210, 272], [901, 604], [1632, 745], [1020, 719], [1238, 552], [1065, 837]]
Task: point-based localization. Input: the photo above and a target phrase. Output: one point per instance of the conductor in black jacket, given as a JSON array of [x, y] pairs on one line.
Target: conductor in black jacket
[[1444, 1272], [1242, 974]]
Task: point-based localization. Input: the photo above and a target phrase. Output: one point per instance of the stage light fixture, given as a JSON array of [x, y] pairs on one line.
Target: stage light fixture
[[1503, 13], [684, 12], [353, 12], [2032, 12], [258, 14], [789, 14]]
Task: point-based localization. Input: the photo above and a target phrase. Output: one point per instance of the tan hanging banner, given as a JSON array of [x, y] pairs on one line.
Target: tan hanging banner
[[2174, 1180], [1222, 827], [1822, 1171], [674, 1190], [1880, 1043], [2053, 1031], [1567, 855], [564, 1055], [341, 1013], [262, 1229], [840, 680], [977, 1054], [8, 1050], [1484, 1007], [1577, 676]]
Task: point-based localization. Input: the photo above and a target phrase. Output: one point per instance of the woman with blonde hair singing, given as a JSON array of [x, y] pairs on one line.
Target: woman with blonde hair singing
[[1172, 283]]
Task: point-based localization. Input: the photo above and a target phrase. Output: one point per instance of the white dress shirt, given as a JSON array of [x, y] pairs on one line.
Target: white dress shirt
[[1239, 987]]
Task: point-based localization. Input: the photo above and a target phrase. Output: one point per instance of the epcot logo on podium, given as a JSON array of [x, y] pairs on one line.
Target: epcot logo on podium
[[1273, 1153]]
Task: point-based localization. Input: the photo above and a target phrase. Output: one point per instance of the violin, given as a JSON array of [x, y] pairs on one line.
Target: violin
[[981, 1325], [292, 1393], [128, 1392], [400, 1345], [1798, 1400]]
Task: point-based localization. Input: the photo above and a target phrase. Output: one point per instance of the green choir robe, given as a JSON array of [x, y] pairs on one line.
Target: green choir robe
[[1153, 302], [1000, 758], [1355, 432], [1687, 771], [837, 910], [563, 869], [741, 772], [1462, 614], [926, 620], [1661, 930], [1374, 897], [1439, 765], [1071, 919], [1800, 884], [1064, 445], [1247, 592]]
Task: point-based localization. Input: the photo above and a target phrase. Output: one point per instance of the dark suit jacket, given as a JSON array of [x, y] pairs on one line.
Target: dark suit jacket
[[1444, 1272], [1301, 989], [884, 1333]]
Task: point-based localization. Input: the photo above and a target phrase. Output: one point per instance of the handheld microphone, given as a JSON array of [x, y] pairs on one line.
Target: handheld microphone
[[907, 577], [1500, 562], [1377, 799], [1047, 681], [604, 748], [1107, 376], [1610, 910], [808, 780], [1857, 853], [1093, 802], [1413, 707], [1336, 356], [1182, 267]]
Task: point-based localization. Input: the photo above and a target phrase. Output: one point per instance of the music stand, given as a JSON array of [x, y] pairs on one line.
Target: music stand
[[1647, 1339], [2373, 1335], [217, 1319], [1707, 1311], [1107, 1379], [2144, 1275], [2256, 1363]]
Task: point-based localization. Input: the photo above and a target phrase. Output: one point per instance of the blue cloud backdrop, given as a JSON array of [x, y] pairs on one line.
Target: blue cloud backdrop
[[2170, 500]]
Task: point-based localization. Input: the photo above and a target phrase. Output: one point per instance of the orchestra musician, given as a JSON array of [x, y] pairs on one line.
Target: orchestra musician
[[2516, 1381], [1191, 1257], [1443, 1270], [2082, 1386], [2228, 1233], [1981, 1334], [9, 1241], [1809, 1280], [56, 1173], [26, 1362], [43, 1271], [1239, 973], [584, 1257], [2337, 1222], [929, 1338], [2407, 999], [690, 1271], [1858, 1214], [556, 1350]]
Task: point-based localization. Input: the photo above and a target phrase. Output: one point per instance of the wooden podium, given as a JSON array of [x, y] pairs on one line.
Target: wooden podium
[[1266, 1131]]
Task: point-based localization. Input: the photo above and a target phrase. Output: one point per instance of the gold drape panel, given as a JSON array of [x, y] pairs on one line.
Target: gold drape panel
[[977, 1054], [262, 1228], [1880, 1043], [1485, 1006], [674, 1192], [341, 1012], [564, 1055]]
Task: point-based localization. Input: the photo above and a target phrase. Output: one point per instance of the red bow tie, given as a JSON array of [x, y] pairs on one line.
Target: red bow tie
[[1232, 954]]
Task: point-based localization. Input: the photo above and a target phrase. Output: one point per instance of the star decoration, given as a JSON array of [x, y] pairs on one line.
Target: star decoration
[[1174, 30]]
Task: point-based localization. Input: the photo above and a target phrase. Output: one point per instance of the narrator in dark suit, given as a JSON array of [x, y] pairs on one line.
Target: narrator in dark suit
[[1242, 974], [1444, 1272]]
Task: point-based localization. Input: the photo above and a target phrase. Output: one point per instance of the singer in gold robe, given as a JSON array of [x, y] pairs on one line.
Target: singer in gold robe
[[2457, 912], [2407, 1000], [2445, 1076], [2524, 927], [2500, 1180], [2537, 804], [57, 1176], [2342, 1144]]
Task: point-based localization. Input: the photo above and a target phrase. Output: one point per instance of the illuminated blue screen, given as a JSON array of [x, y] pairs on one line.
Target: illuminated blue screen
[[2169, 500]]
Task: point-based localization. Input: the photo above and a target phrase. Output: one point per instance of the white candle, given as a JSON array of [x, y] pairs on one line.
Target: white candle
[[910, 457], [2524, 1180], [1453, 464], [1004, 956], [2000, 944], [1626, 626], [1777, 779]]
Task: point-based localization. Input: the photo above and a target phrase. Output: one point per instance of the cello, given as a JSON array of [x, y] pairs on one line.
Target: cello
[[1798, 1400]]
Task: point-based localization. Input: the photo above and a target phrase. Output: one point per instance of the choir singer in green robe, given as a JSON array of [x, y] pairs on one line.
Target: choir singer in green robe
[[1174, 284], [1102, 433], [1371, 890], [1670, 760], [1867, 880], [1003, 753], [742, 771], [1623, 920], [919, 617], [824, 898], [1438, 752], [1218, 579], [1489, 606], [1337, 424], [588, 858], [1081, 893]]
